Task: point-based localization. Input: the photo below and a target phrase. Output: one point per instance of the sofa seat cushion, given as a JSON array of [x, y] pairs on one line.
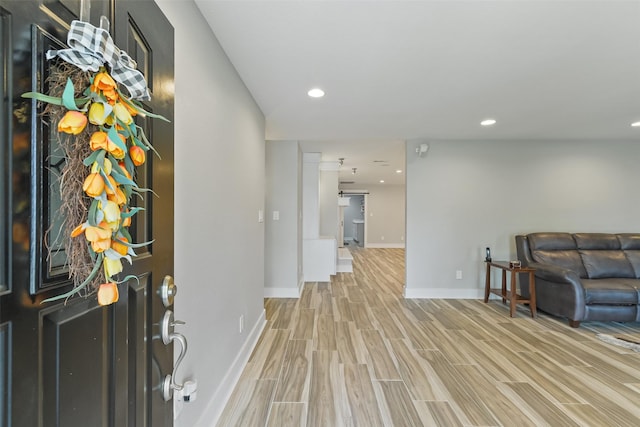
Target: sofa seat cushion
[[611, 291]]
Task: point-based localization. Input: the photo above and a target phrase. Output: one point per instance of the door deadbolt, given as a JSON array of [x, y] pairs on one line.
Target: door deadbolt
[[168, 291]]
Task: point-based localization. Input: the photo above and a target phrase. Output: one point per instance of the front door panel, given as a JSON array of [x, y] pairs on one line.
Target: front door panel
[[76, 363]]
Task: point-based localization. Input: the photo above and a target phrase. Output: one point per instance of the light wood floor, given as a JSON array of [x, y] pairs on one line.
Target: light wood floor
[[353, 352]]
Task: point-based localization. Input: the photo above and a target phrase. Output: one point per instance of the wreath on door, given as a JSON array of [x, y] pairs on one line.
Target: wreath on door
[[94, 97]]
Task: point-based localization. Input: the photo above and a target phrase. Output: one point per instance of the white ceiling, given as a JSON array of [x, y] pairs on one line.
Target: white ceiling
[[396, 70]]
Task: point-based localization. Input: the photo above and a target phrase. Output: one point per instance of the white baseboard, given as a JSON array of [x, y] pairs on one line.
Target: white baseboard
[[386, 245], [282, 292], [443, 293], [221, 396]]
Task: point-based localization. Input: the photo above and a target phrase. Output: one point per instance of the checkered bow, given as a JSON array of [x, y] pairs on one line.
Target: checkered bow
[[91, 48]]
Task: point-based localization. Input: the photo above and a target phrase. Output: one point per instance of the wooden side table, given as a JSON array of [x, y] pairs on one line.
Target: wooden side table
[[513, 297]]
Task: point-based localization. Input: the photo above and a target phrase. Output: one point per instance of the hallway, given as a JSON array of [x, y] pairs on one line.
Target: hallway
[[355, 353]]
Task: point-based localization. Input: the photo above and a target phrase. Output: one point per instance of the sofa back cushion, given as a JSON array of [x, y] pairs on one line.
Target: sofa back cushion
[[602, 263], [557, 249], [600, 241], [629, 241]]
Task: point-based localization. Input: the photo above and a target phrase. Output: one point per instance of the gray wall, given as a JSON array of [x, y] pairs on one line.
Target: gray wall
[[385, 216], [464, 196], [219, 188], [282, 237]]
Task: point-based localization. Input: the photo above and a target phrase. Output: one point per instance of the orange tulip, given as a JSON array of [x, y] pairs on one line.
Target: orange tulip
[[101, 245], [111, 95], [116, 151], [77, 231], [120, 198], [137, 154], [114, 185], [73, 122], [126, 222], [124, 170], [98, 141], [130, 108], [100, 237], [101, 141], [103, 81], [108, 293], [94, 234], [93, 185], [118, 246]]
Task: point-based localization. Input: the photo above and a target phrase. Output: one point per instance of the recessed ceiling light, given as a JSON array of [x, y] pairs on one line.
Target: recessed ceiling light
[[488, 122], [316, 93], [382, 181], [399, 171], [635, 124]]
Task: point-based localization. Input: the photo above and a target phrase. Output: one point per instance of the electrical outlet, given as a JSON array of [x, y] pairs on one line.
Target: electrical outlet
[[381, 237], [459, 274], [402, 238], [260, 215], [241, 323]]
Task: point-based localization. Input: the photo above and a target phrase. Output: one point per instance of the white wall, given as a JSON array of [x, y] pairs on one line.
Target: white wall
[[311, 195], [328, 197], [385, 216], [464, 196], [282, 238], [219, 188]]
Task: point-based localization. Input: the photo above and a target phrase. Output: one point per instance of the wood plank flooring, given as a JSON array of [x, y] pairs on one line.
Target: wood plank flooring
[[354, 352]]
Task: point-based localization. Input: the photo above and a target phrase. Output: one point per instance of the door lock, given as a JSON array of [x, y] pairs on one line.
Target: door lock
[[168, 291]]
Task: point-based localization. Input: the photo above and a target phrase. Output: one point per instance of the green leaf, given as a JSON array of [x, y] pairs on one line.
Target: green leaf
[[132, 212], [147, 143], [42, 97], [121, 179], [94, 272], [129, 277], [125, 233], [113, 136], [68, 99], [93, 213], [138, 245], [106, 180], [91, 158]]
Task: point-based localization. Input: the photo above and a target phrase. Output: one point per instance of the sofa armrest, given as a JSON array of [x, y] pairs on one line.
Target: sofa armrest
[[559, 291], [554, 273]]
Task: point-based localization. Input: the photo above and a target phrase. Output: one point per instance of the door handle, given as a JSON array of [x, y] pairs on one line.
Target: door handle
[[167, 328]]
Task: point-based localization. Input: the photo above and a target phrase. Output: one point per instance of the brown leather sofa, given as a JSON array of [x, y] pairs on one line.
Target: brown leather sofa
[[584, 276]]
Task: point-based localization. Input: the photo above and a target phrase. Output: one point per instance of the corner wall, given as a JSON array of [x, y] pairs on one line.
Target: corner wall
[[282, 238], [219, 188], [463, 196]]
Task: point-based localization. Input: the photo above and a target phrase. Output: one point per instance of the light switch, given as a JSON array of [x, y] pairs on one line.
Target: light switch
[[276, 215], [260, 215]]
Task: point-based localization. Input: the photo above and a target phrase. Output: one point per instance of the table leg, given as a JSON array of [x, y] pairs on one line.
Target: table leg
[[487, 284], [514, 295], [532, 293], [504, 286]]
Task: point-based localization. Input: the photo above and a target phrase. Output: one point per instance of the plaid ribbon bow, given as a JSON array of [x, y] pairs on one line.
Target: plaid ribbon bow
[[91, 48]]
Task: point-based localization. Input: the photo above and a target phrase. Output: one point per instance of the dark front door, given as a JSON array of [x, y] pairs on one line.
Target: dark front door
[[78, 363]]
